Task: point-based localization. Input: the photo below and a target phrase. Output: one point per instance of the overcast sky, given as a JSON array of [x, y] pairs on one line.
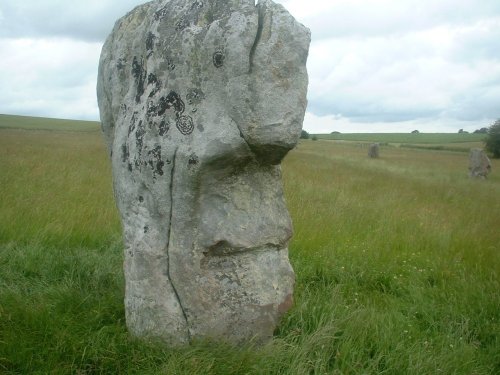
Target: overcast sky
[[374, 65]]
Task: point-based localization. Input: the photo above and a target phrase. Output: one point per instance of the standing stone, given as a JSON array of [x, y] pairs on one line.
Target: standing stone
[[373, 150], [479, 163], [200, 101]]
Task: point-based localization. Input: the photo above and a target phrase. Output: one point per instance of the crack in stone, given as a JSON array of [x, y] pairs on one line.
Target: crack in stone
[[260, 27], [172, 172]]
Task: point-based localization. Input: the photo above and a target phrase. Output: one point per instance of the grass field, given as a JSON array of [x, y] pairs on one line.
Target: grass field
[[457, 142], [398, 138], [397, 262]]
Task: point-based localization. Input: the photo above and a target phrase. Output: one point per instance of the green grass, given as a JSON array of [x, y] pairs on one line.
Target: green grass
[[397, 262]]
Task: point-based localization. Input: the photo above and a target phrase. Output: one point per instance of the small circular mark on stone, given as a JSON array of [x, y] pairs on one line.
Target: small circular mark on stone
[[185, 124], [218, 59]]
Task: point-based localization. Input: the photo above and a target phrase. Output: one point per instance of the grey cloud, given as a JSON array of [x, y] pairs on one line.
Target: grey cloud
[[442, 72], [382, 18], [482, 41], [362, 110], [90, 20], [480, 103]]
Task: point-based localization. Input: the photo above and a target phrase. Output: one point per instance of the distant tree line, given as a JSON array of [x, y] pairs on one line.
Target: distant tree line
[[477, 131], [492, 142]]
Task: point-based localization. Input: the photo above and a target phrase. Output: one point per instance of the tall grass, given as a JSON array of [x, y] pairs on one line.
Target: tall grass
[[56, 189], [397, 262]]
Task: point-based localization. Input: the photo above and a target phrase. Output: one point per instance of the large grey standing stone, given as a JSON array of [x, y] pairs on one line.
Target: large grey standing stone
[[479, 163], [374, 150], [199, 102]]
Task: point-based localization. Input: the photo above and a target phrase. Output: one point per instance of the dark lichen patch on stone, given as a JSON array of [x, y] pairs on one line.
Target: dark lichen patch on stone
[[152, 109], [159, 167], [193, 159], [141, 198], [195, 96], [192, 16], [152, 79], [150, 42], [137, 68], [198, 4], [146, 229], [218, 58], [139, 74], [121, 63], [181, 24], [125, 153], [139, 136], [162, 106], [163, 128], [160, 14], [174, 100], [155, 82], [133, 120], [155, 162], [137, 163]]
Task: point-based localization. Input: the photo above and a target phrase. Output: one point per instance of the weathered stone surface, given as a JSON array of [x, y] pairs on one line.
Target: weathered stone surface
[[374, 150], [200, 101], [479, 163]]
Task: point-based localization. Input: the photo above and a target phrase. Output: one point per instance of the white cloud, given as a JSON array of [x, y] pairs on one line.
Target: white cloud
[[383, 17], [419, 74], [90, 20], [49, 77]]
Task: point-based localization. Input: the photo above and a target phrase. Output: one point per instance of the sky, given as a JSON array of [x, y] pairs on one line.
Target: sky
[[374, 65]]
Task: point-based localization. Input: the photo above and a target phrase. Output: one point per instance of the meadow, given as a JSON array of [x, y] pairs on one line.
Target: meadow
[[397, 261], [405, 138]]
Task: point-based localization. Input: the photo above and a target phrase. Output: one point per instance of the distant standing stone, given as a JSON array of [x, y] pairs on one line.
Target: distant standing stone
[[200, 101], [374, 150], [479, 163]]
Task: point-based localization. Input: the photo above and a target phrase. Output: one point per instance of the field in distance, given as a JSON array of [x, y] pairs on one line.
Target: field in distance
[[42, 123], [397, 264], [398, 138], [458, 142]]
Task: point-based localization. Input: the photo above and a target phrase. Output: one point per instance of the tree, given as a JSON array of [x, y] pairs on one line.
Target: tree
[[304, 135], [415, 132], [462, 131], [492, 140], [481, 131]]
